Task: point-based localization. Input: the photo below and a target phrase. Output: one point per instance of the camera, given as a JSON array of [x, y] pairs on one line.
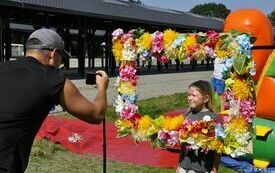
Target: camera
[[91, 78]]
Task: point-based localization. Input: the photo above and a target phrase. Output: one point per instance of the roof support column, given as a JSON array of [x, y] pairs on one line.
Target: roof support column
[[91, 47], [1, 37], [67, 47], [111, 55], [7, 40], [106, 51], [82, 47]]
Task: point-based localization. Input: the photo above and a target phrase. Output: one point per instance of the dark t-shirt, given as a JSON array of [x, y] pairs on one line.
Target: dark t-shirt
[[197, 161], [28, 90]]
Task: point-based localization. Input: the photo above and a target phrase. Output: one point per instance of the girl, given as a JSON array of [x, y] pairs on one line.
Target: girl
[[200, 105]]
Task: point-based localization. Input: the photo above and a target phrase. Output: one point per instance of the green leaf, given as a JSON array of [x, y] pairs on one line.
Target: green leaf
[[224, 36], [224, 46], [235, 33], [201, 39], [138, 32], [239, 64], [160, 143], [123, 133], [154, 143]]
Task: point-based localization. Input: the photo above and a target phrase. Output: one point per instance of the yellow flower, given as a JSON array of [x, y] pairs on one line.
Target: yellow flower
[[190, 41], [126, 88], [220, 53], [125, 127], [181, 54], [173, 123], [144, 123], [190, 44], [216, 145], [241, 89], [124, 124], [200, 53], [168, 37], [238, 124], [229, 82], [145, 41], [117, 50], [156, 125]]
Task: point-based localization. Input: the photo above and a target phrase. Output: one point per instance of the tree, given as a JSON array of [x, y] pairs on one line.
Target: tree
[[211, 9], [271, 17], [136, 1]]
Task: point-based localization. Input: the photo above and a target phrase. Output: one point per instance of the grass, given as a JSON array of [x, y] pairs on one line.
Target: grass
[[155, 106], [49, 158]]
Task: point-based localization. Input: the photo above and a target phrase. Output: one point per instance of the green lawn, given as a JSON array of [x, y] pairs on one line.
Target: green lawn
[[50, 158]]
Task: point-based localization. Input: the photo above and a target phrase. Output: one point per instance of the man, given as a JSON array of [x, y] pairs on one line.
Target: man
[[30, 87]]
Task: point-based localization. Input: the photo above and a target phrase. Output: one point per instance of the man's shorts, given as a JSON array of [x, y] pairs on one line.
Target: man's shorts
[[218, 85]]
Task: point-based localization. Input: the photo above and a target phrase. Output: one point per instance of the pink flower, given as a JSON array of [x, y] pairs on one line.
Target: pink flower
[[170, 138], [128, 73], [117, 33], [212, 38], [125, 37], [173, 139], [157, 45], [164, 59], [227, 96], [226, 119], [163, 135], [247, 109], [129, 111], [209, 52]]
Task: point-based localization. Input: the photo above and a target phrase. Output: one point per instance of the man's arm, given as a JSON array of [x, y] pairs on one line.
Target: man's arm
[[79, 106]]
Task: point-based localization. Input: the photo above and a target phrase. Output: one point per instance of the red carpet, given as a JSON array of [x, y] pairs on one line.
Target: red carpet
[[119, 149]]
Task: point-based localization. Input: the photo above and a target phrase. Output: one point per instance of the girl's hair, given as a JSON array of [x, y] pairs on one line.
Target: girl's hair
[[205, 88]]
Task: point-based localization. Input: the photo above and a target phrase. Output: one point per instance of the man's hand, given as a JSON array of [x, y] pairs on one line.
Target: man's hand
[[102, 80]]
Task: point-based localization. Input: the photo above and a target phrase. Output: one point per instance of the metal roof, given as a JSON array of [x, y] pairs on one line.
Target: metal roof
[[121, 11]]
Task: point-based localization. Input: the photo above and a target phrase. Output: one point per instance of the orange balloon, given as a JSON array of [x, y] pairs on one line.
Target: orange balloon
[[253, 21], [265, 99]]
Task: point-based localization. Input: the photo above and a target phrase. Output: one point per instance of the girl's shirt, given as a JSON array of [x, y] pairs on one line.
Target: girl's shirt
[[197, 161]]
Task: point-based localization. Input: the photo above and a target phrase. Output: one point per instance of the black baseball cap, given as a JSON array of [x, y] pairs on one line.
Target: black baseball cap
[[48, 40]]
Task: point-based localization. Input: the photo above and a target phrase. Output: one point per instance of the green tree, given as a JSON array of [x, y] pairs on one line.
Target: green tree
[[211, 9], [136, 1], [271, 17]]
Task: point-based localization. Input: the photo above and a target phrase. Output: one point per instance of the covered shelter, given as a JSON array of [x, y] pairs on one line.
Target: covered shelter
[[78, 21]]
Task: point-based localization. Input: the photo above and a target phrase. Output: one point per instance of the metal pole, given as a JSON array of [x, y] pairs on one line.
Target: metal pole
[[104, 146], [264, 47]]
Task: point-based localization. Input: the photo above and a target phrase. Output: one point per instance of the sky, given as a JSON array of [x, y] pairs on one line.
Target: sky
[[266, 6]]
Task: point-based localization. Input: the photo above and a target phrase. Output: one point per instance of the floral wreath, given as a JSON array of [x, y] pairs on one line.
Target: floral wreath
[[234, 135]]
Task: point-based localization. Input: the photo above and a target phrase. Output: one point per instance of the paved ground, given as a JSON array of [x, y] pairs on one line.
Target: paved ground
[[151, 84]]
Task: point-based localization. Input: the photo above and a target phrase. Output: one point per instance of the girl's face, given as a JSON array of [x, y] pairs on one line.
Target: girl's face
[[195, 99]]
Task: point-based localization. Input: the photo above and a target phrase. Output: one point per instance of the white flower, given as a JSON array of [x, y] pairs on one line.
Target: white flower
[[119, 104], [206, 118], [129, 52], [117, 33], [117, 81]]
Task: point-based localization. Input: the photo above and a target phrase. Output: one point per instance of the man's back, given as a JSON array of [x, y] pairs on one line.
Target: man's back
[[28, 90]]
